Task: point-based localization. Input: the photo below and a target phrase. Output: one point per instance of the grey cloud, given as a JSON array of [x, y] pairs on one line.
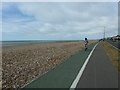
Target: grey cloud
[[68, 20]]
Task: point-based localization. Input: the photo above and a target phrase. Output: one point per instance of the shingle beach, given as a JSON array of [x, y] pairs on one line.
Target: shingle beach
[[23, 63]]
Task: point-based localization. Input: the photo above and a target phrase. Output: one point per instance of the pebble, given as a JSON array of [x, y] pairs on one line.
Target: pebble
[[24, 63]]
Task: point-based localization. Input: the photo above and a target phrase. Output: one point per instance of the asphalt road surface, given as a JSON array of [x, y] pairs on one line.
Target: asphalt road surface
[[99, 72], [116, 44]]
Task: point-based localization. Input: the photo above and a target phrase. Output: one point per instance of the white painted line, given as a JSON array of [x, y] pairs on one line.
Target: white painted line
[[73, 86]]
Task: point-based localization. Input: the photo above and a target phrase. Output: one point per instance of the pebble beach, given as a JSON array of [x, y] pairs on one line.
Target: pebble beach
[[23, 63]]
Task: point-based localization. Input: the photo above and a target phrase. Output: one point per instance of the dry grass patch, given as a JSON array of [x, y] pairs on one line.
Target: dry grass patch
[[113, 55]]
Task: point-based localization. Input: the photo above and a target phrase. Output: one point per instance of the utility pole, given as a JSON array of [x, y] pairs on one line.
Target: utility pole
[[104, 34]]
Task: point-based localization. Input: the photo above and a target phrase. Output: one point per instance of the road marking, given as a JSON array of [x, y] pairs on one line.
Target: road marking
[[74, 84]]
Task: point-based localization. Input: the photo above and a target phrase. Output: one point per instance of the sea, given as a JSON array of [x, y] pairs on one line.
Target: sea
[[22, 42]]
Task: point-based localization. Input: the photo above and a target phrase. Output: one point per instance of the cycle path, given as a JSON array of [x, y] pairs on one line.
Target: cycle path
[[99, 72], [63, 75]]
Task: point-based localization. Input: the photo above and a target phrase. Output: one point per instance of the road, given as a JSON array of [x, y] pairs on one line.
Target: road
[[116, 44], [99, 72]]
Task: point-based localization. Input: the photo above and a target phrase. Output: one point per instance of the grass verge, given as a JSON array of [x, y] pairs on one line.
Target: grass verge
[[113, 55]]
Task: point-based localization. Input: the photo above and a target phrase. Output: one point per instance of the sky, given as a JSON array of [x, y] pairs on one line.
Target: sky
[[58, 20]]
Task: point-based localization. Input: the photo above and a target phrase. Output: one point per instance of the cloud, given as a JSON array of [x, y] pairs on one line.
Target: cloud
[[60, 20]]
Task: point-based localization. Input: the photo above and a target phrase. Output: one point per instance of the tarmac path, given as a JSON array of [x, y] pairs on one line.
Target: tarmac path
[[99, 72], [63, 75]]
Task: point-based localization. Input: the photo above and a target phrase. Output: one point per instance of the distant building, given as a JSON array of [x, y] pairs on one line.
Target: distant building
[[114, 38]]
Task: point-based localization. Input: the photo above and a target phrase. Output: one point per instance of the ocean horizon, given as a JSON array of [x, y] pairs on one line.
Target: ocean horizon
[[22, 42]]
